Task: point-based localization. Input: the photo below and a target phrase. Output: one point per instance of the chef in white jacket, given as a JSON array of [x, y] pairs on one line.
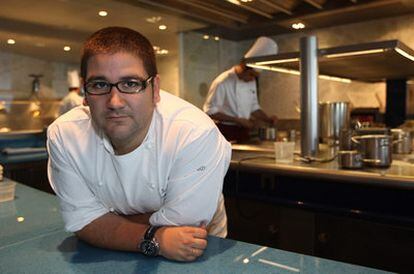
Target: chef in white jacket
[[232, 99], [136, 168], [73, 98]]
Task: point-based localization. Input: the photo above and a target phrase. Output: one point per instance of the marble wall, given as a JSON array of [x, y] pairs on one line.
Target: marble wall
[[279, 92], [201, 61], [15, 82]]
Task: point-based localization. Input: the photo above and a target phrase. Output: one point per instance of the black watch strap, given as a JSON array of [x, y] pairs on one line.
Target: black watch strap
[[150, 233]]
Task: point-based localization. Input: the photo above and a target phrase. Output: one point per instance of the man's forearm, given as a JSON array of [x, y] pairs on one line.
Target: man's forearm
[[261, 115], [113, 232], [139, 218], [223, 117]]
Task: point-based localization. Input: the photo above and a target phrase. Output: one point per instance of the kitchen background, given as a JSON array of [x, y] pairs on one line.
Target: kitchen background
[[193, 59]]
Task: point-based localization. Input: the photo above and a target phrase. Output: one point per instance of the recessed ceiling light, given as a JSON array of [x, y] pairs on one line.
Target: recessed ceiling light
[[66, 48], [156, 48], [246, 1], [206, 37], [153, 19], [162, 27], [11, 41], [298, 26], [103, 13], [216, 38]]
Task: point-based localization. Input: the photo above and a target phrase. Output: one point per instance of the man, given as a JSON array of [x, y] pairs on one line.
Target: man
[[140, 169], [73, 98], [232, 98]]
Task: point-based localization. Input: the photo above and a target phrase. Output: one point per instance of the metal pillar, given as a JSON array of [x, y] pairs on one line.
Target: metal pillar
[[309, 115]]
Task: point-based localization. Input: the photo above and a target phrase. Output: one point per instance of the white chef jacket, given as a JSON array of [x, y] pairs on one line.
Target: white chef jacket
[[232, 96], [71, 100], [177, 172]]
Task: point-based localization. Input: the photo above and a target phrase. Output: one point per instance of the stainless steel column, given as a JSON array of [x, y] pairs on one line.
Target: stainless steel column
[[309, 115]]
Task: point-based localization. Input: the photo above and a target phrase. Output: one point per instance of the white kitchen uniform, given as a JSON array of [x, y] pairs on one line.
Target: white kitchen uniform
[[71, 100], [232, 96], [177, 172]]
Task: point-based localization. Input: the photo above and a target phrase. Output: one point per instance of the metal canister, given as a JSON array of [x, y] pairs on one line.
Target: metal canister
[[401, 141], [350, 159]]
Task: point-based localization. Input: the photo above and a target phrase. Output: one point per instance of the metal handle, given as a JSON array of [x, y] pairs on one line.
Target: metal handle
[[372, 161], [354, 140]]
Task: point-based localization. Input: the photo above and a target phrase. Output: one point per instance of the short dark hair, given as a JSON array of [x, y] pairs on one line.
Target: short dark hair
[[112, 40]]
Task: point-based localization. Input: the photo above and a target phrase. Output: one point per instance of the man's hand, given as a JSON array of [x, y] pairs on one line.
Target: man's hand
[[183, 243], [273, 120]]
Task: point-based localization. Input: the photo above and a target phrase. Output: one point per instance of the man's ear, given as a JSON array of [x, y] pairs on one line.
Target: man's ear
[[156, 89]]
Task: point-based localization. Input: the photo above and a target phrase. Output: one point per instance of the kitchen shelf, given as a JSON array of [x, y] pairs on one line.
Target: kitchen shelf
[[368, 62]]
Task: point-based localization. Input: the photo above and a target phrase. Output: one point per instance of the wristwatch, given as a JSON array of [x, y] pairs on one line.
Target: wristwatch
[[149, 245]]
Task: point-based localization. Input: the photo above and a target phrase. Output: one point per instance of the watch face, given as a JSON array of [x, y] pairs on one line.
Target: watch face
[[149, 248]]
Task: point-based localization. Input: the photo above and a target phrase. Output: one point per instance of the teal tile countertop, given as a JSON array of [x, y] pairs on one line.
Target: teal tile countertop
[[32, 240]]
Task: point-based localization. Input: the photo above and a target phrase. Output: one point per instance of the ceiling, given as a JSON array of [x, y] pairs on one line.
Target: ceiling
[[42, 28]]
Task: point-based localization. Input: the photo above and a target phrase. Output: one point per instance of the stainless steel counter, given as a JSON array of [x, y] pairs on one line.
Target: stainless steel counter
[[260, 157]]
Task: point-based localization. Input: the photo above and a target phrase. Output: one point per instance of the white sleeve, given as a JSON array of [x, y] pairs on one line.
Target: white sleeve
[[78, 204], [255, 103], [215, 98], [195, 182]]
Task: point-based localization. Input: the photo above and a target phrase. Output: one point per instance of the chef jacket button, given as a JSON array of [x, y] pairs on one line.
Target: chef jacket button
[[149, 146], [152, 186], [100, 183], [111, 209]]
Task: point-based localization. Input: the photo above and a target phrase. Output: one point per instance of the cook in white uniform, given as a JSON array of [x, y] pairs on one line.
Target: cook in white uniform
[[136, 159], [72, 99], [232, 98]]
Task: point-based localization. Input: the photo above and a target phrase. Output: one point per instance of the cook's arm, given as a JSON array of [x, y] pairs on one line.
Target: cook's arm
[[261, 115], [219, 116]]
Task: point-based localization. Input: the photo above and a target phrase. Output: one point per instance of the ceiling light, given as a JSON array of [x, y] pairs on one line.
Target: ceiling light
[[289, 60], [160, 51], [162, 27], [206, 37], [354, 53], [405, 54], [236, 2], [156, 48], [298, 26], [11, 41], [296, 72], [66, 48], [216, 38], [246, 1], [103, 13], [153, 19]]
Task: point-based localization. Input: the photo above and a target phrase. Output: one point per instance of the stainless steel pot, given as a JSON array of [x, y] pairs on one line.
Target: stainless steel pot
[[350, 159], [376, 150], [401, 141], [334, 116]]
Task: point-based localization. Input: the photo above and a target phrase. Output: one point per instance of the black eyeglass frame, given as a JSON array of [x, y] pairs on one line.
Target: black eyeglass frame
[[144, 85]]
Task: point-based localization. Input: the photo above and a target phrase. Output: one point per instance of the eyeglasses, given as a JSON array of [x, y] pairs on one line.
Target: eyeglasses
[[102, 87]]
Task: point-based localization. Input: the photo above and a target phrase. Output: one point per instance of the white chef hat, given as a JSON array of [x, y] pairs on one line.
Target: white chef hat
[[73, 79], [262, 46]]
